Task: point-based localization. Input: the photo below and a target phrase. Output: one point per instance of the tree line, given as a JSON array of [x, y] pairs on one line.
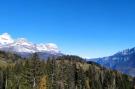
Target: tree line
[[65, 72]]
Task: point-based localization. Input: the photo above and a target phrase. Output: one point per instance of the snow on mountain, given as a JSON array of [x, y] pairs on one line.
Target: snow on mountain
[[50, 47], [5, 39], [123, 61], [22, 45]]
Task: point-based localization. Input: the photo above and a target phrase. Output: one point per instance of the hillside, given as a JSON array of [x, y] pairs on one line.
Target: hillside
[[66, 72], [7, 58], [123, 61]]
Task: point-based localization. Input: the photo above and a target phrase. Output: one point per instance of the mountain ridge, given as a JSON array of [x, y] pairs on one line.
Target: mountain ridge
[[122, 61], [24, 47]]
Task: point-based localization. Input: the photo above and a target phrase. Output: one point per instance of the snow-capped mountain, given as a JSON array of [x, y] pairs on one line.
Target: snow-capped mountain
[[23, 46], [5, 39]]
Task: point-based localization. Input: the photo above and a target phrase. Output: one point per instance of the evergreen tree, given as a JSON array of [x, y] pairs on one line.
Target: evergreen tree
[[32, 72]]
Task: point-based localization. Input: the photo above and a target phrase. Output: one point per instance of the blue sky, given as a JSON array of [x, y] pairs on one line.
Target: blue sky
[[89, 28]]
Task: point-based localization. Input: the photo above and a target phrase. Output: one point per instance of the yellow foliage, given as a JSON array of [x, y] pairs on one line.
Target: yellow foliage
[[43, 83], [87, 84]]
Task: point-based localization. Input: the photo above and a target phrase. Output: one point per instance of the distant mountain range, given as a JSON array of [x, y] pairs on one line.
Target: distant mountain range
[[25, 48], [123, 61]]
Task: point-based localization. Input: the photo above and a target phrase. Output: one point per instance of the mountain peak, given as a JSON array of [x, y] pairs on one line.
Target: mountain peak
[[5, 39], [52, 47], [23, 41], [25, 46]]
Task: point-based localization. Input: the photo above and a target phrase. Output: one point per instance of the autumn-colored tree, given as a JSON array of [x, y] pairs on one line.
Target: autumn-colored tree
[[43, 83]]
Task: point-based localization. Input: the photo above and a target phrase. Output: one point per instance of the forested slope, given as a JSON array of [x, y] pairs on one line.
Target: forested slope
[[66, 72]]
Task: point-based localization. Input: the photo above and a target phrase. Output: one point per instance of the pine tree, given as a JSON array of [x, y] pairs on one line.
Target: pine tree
[[32, 72]]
